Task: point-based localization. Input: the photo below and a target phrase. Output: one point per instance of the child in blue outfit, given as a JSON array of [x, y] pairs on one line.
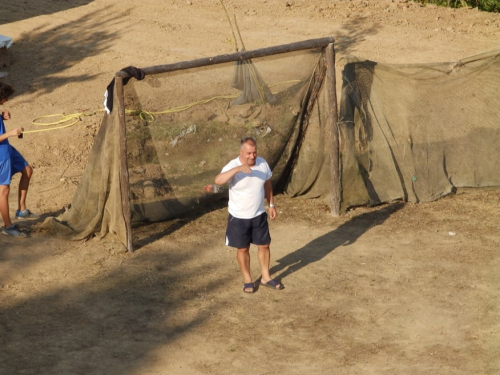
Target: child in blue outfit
[[12, 162]]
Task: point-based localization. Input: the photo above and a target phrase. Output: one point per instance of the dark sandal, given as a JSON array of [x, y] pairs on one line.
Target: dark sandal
[[249, 286], [273, 284]]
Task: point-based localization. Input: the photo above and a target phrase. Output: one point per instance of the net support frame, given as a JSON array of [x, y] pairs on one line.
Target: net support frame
[[238, 56], [326, 43]]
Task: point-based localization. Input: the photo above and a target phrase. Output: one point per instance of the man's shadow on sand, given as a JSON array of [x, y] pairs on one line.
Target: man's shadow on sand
[[344, 235]]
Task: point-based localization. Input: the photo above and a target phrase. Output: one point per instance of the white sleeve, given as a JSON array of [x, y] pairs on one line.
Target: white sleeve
[[269, 173], [232, 164]]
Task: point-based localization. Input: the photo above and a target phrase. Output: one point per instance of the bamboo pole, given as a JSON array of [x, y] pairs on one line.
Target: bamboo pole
[[333, 130], [238, 56], [124, 181]]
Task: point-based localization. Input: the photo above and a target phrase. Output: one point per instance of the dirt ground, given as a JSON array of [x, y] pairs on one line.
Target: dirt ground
[[394, 289]]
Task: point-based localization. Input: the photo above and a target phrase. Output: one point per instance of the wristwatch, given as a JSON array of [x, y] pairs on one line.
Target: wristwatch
[[271, 205]]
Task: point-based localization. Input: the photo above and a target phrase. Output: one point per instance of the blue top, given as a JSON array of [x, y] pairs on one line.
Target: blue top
[[4, 145]]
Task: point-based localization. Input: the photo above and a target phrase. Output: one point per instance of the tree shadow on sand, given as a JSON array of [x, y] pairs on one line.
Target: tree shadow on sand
[[353, 32], [42, 55], [13, 11], [346, 234], [108, 322]]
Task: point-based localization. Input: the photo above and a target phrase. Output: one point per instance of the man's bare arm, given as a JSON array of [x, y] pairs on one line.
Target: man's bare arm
[[224, 177], [268, 194]]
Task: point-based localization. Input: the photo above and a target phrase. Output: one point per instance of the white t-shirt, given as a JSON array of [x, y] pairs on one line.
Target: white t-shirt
[[246, 190]]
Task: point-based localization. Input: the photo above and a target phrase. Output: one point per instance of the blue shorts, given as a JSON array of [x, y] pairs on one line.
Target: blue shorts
[[240, 233], [11, 166]]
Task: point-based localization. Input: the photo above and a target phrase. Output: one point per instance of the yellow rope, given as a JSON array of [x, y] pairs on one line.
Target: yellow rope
[[74, 118], [144, 115], [150, 116]]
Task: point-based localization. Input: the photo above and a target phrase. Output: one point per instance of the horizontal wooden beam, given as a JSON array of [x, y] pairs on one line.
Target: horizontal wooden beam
[[238, 56]]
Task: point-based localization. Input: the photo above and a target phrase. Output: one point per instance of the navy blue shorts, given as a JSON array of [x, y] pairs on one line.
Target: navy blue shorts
[[11, 166], [240, 233]]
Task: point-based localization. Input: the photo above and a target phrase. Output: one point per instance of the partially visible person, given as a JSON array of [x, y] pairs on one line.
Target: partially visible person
[[249, 178], [12, 162]]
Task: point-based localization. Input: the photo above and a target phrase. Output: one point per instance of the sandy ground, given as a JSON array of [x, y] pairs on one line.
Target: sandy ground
[[395, 289]]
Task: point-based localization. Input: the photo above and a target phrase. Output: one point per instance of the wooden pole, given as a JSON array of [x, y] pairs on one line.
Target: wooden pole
[[333, 130], [124, 181], [238, 56]]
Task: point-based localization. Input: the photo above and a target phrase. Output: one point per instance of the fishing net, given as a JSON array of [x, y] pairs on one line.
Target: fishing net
[[182, 127], [407, 132], [417, 132]]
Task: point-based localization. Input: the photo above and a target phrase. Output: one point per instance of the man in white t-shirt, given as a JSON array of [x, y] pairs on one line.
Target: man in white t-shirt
[[249, 178]]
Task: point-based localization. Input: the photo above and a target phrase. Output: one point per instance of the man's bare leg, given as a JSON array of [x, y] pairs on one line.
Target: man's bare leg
[[243, 258], [264, 254]]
